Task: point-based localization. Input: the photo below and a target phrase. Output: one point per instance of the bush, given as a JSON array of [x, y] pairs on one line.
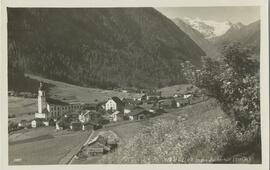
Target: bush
[[12, 126], [235, 83], [172, 142]]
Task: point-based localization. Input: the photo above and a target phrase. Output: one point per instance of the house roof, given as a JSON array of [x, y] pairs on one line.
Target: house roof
[[165, 101], [115, 113], [55, 102], [96, 150], [39, 120], [180, 100], [84, 112], [90, 106], [137, 111], [153, 93], [117, 100], [128, 101], [130, 106], [99, 139], [147, 106]]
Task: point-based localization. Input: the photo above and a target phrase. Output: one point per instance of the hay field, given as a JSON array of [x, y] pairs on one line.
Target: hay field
[[48, 150]]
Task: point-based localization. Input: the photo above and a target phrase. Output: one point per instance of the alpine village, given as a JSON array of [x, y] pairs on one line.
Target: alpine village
[[130, 85]]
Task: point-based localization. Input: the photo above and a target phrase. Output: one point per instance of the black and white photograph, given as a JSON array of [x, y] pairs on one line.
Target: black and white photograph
[[134, 85]]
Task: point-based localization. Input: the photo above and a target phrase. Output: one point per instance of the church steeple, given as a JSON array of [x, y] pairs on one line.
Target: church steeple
[[41, 98], [41, 86]]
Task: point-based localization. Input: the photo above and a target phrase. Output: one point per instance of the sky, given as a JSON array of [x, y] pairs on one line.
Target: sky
[[245, 15]]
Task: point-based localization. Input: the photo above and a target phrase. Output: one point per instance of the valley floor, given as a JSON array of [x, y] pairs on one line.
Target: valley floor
[[48, 146]]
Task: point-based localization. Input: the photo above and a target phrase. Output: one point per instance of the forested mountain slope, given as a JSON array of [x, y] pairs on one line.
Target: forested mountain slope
[[99, 47]]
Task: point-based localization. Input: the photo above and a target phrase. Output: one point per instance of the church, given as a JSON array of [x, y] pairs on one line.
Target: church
[[51, 108]]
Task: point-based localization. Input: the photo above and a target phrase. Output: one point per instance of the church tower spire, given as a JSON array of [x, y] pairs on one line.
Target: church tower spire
[[41, 98]]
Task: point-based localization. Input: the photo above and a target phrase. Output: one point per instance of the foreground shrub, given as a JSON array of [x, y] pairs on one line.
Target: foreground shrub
[[235, 83], [172, 142]]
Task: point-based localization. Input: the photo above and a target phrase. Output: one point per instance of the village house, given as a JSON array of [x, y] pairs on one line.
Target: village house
[[139, 114], [39, 122], [97, 146], [87, 126], [195, 100], [128, 101], [180, 102], [114, 104], [85, 116], [153, 95], [24, 124], [116, 116], [75, 126], [128, 109], [165, 103], [156, 111], [104, 142], [63, 123], [187, 95]]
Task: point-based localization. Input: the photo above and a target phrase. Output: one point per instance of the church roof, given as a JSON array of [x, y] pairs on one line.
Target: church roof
[[55, 101]]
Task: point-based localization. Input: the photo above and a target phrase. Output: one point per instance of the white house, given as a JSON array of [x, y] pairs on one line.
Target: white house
[[127, 110], [186, 96], [84, 116], [114, 104], [34, 124]]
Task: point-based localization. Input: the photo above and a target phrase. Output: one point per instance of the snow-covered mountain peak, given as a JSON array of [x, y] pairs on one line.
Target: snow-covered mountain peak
[[210, 28]]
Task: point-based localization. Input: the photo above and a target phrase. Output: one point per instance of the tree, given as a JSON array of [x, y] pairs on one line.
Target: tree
[[240, 59], [232, 81]]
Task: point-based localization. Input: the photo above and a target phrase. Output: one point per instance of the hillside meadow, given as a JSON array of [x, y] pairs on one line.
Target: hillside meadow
[[201, 133], [198, 114], [43, 146], [72, 93]]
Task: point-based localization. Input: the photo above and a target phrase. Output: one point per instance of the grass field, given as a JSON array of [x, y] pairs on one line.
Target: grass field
[[72, 93], [171, 90], [25, 149], [19, 105], [22, 108], [25, 134]]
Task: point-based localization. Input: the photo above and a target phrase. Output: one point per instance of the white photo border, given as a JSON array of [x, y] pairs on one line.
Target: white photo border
[[264, 77]]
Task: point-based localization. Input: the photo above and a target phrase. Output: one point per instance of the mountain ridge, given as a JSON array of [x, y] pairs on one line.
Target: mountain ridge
[[210, 28], [248, 36], [199, 38], [99, 47]]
